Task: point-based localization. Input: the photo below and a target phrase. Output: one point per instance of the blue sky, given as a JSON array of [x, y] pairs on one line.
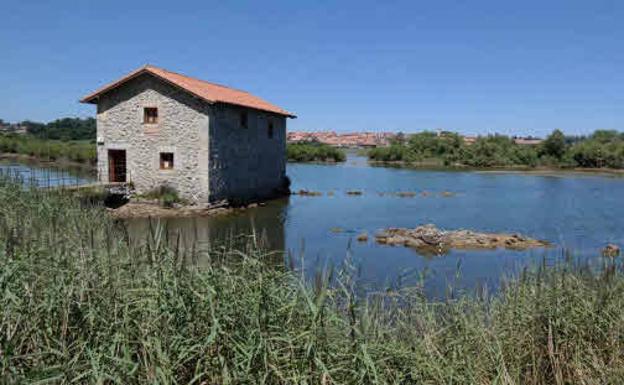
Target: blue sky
[[469, 66]]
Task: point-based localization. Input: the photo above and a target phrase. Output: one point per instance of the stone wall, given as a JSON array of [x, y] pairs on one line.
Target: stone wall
[[215, 157], [182, 129], [245, 163]]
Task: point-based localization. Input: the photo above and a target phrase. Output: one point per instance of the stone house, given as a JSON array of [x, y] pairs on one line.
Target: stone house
[[209, 142]]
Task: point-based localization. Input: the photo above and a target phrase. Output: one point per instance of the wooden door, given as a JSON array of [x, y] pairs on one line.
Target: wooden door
[[116, 165]]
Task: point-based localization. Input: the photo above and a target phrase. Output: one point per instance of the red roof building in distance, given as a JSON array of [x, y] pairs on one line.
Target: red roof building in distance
[[209, 92], [377, 139], [530, 141], [351, 139]]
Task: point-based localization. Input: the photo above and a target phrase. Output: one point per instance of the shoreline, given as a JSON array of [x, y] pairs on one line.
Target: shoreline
[[139, 209], [541, 170], [31, 159]]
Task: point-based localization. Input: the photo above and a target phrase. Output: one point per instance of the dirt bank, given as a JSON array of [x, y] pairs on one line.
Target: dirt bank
[[145, 209], [429, 239]]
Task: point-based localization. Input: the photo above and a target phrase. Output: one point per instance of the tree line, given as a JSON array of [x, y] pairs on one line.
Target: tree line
[[601, 149], [60, 129]]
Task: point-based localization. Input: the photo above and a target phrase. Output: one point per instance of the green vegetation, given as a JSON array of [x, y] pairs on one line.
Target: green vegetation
[[62, 129], [601, 149], [80, 303], [313, 152], [423, 147], [165, 194], [75, 151], [71, 139]]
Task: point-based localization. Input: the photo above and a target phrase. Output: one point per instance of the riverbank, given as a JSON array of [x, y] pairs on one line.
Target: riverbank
[[81, 303], [430, 166], [78, 151], [154, 209], [538, 170], [601, 149], [42, 162]]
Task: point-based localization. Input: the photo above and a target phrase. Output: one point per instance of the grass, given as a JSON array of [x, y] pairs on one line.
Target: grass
[[44, 149], [81, 303]]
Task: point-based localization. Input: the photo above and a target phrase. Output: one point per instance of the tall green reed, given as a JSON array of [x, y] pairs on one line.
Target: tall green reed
[[81, 303]]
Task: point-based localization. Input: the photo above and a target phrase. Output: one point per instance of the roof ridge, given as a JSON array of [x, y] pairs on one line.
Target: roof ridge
[[148, 66], [209, 91]]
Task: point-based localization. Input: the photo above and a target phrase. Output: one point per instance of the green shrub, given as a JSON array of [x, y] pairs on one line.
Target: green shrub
[[313, 152], [81, 152], [392, 153], [170, 199], [601, 149], [165, 194]]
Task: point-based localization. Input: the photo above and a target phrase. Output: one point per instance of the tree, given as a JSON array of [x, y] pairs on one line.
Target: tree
[[399, 138], [554, 145], [63, 129]]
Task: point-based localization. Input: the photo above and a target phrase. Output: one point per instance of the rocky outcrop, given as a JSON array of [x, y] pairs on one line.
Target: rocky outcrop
[[429, 239]]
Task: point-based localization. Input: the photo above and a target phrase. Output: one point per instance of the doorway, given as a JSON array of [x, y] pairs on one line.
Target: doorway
[[116, 165]]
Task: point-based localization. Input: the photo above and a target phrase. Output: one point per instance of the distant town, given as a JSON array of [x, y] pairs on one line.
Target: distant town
[[376, 139], [12, 128], [332, 138]]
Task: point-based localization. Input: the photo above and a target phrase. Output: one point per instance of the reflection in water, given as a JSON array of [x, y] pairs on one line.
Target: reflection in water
[[262, 225], [46, 176], [580, 213]]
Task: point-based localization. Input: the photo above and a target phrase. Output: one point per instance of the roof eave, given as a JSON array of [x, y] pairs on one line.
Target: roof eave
[[94, 96]]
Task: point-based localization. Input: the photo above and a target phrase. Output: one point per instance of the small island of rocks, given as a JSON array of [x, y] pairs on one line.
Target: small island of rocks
[[431, 240]]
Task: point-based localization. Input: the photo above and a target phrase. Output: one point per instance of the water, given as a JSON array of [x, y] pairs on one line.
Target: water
[[40, 175], [580, 213]]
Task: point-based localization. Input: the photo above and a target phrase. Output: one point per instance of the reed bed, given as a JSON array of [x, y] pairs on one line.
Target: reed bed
[[80, 303]]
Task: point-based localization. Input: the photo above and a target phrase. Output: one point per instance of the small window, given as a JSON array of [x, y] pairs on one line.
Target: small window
[[166, 160], [270, 130], [150, 115], [243, 119]]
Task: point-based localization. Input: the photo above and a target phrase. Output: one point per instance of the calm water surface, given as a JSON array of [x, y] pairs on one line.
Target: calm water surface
[[579, 213], [37, 174]]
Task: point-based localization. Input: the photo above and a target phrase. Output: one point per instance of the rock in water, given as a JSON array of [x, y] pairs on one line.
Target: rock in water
[[308, 193], [429, 239], [611, 250]]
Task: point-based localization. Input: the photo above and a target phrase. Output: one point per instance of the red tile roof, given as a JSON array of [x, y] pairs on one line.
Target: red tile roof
[[342, 140], [210, 92]]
